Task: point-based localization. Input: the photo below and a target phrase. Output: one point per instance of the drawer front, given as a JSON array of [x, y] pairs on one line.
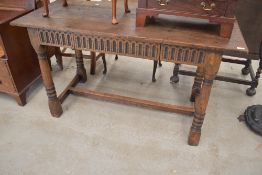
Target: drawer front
[[2, 52], [6, 84], [210, 7]]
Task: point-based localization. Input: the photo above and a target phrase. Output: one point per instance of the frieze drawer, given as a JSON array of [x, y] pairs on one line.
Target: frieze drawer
[[180, 54]]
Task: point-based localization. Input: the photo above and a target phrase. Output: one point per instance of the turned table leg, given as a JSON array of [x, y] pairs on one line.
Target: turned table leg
[[81, 71], [211, 66], [54, 103], [197, 83]]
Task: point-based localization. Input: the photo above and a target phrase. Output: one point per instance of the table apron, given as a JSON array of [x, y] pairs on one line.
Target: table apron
[[121, 45]]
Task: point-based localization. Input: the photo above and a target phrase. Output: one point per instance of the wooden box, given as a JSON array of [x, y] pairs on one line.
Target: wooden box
[[221, 12]]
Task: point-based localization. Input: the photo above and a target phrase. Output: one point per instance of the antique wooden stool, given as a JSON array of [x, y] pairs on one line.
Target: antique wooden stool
[[65, 4]]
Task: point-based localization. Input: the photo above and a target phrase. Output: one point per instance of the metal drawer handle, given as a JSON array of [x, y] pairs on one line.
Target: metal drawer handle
[[208, 8], [163, 2]]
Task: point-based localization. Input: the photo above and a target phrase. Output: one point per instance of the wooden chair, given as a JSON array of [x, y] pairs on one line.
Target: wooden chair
[[93, 57], [65, 4]]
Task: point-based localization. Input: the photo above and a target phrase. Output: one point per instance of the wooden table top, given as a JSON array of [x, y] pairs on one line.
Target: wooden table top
[[95, 17]]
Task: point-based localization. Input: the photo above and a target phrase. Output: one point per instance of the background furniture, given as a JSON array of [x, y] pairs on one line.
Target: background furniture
[[93, 57], [18, 60], [249, 17], [221, 12], [65, 4]]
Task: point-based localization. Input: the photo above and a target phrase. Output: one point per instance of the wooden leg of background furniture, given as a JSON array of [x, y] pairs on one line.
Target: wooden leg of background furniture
[[81, 71], [65, 3], [114, 20], [59, 59], [211, 66], [93, 63], [46, 13], [21, 98], [126, 7], [226, 29], [54, 104], [175, 77], [252, 90], [197, 83], [154, 71], [104, 63]]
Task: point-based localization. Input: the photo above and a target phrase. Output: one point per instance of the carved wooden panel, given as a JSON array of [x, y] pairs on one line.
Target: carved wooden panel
[[113, 45], [179, 54]]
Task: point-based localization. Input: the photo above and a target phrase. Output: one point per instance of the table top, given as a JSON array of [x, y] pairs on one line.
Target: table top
[[95, 17]]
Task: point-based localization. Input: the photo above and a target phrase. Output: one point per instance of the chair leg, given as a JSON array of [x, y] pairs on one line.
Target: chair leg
[[175, 78], [245, 70], [252, 90], [198, 81], [114, 20], [59, 59], [50, 63], [154, 71], [159, 63], [104, 62], [65, 4], [126, 7], [93, 63]]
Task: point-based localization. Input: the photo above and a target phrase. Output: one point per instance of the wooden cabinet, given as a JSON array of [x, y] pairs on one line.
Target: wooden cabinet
[[221, 12], [18, 61]]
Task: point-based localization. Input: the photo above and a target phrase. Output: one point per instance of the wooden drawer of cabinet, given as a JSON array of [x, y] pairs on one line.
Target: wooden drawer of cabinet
[[212, 7], [6, 84]]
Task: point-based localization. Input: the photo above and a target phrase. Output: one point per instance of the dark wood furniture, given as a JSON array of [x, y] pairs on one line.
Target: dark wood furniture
[[18, 65], [65, 4], [93, 33], [221, 12], [252, 32]]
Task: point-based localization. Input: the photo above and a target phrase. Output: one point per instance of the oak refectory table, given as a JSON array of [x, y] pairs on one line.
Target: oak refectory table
[[86, 27]]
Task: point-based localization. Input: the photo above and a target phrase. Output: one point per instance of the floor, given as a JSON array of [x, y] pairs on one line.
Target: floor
[[103, 138]]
